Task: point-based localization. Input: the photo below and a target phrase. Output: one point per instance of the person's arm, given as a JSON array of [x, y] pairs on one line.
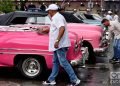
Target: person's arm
[[43, 30], [61, 32], [110, 35]]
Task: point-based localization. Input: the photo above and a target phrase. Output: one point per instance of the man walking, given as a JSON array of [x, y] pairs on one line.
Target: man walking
[[59, 43], [116, 17], [109, 16], [114, 30]]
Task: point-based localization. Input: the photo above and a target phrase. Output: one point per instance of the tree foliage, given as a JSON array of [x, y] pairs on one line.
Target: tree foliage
[[6, 6]]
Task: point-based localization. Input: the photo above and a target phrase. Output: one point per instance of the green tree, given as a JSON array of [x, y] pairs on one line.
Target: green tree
[[6, 6]]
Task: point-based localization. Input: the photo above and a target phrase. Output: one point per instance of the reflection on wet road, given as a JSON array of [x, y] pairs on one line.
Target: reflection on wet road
[[92, 75], [95, 77]]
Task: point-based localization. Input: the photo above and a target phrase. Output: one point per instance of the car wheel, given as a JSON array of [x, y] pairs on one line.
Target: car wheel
[[30, 67], [91, 57]]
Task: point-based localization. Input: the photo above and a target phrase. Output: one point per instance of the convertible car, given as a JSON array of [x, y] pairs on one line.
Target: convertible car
[[89, 19], [13, 17], [94, 37], [24, 48]]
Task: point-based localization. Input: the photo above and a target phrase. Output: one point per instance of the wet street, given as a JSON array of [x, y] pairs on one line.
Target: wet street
[[92, 75]]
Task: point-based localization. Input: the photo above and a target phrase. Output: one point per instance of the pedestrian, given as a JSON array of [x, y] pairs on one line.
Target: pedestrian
[[58, 44], [116, 17], [109, 16], [114, 33]]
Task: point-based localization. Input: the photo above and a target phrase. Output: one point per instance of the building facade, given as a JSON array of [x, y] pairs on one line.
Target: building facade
[[113, 5], [69, 5], [94, 6]]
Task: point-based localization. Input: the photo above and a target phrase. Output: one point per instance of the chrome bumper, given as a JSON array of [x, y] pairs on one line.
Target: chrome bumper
[[75, 62], [78, 62], [100, 50]]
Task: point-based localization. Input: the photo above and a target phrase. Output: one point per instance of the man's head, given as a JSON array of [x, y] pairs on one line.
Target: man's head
[[105, 22], [52, 9]]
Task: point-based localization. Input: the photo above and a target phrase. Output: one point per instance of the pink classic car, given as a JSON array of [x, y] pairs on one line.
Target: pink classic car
[[22, 47], [93, 36]]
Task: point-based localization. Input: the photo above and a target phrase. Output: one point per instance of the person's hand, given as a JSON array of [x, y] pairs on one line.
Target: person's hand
[[43, 30], [56, 45], [39, 31]]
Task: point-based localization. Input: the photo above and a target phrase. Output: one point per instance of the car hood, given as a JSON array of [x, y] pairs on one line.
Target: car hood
[[84, 27], [93, 22], [26, 39]]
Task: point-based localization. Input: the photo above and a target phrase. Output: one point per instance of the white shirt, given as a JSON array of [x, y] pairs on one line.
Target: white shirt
[[57, 21], [109, 17], [114, 28], [116, 18]]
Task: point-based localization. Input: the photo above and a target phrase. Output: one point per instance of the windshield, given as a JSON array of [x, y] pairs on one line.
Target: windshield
[[82, 15], [70, 18], [38, 20], [97, 17], [79, 15]]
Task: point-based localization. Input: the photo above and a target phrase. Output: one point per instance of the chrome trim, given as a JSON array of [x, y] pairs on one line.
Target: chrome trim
[[85, 54], [104, 39], [88, 39], [23, 53], [80, 61], [100, 49], [75, 62], [23, 49], [31, 67]]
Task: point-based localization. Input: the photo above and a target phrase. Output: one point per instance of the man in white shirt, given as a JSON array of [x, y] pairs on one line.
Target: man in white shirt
[[114, 30], [116, 17], [58, 44], [109, 16]]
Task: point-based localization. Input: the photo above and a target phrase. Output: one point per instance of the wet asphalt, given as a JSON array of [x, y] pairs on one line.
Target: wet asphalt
[[92, 75]]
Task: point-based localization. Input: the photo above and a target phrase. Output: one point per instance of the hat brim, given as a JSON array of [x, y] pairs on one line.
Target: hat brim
[[51, 9]]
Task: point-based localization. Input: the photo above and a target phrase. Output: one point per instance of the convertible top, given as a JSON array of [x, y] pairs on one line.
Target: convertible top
[[19, 17], [7, 18]]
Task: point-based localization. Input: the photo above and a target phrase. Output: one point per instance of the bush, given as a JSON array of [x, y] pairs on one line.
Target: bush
[[6, 6]]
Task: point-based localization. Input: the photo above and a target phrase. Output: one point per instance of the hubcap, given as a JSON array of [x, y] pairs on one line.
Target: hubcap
[[31, 67]]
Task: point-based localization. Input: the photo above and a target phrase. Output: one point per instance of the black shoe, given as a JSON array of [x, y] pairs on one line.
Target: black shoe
[[112, 60], [117, 60]]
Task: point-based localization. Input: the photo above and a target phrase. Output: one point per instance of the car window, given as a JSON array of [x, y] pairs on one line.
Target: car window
[[97, 17], [89, 16], [82, 15], [38, 20], [45, 20], [70, 18], [31, 20], [19, 20]]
